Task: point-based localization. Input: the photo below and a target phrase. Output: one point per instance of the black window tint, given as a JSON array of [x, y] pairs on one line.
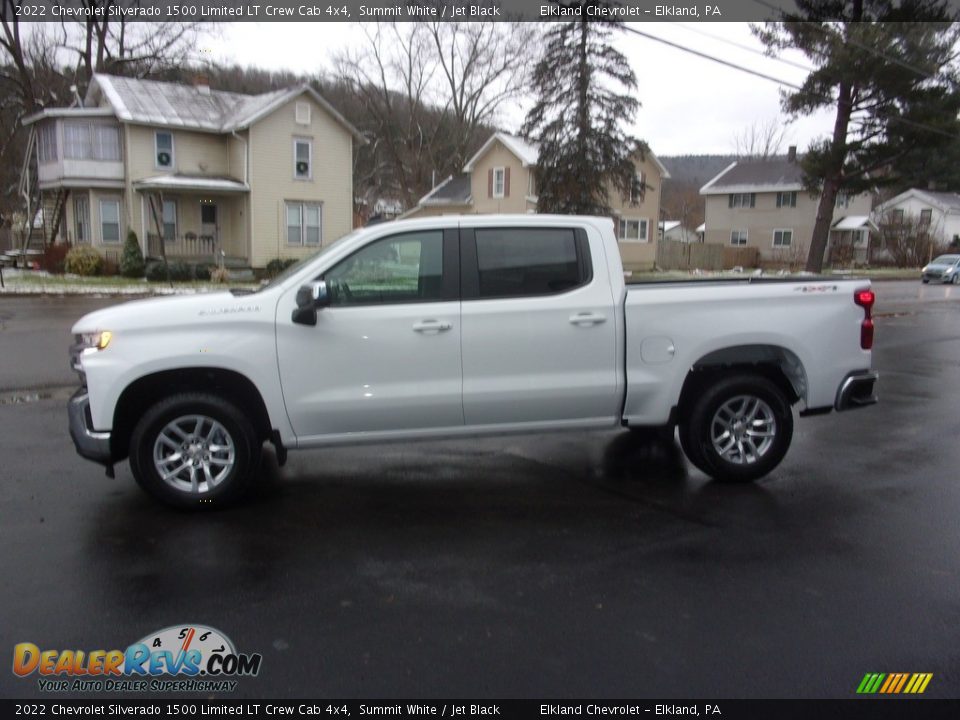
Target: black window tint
[[399, 269], [519, 262]]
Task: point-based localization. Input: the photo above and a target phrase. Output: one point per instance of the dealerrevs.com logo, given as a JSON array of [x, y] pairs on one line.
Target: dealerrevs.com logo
[[180, 658]]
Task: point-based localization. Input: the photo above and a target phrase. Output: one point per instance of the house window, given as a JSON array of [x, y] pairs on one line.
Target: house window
[[843, 200], [787, 199], [47, 142], [782, 238], [896, 216], [302, 156], [636, 194], [81, 218], [633, 230], [926, 216], [169, 220], [163, 142], [303, 223], [303, 113], [90, 141], [499, 181], [738, 237], [745, 200], [110, 221]]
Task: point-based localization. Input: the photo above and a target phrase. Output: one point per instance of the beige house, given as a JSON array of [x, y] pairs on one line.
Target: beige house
[[762, 204], [198, 174], [501, 178]]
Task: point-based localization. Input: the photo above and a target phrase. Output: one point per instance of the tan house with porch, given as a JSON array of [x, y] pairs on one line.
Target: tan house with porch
[[198, 174], [501, 178]]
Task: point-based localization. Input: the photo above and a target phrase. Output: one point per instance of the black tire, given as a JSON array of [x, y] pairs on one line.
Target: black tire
[[770, 419], [956, 278], [228, 459], [924, 281]]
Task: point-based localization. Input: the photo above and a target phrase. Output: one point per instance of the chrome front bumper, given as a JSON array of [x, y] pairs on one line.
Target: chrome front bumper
[[90, 443], [857, 390]]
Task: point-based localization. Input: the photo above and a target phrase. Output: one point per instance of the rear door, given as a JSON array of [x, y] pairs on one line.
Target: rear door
[[538, 328]]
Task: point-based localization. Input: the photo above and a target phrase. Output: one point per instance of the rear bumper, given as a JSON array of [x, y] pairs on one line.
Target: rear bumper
[[857, 390], [90, 443]]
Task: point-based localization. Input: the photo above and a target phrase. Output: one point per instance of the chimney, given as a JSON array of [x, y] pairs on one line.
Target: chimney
[[202, 83], [792, 153]]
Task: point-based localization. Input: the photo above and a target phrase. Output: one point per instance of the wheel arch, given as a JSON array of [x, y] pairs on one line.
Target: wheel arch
[[147, 390], [778, 364]]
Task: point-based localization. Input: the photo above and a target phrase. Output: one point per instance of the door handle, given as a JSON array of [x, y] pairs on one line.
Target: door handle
[[431, 326], [587, 318]]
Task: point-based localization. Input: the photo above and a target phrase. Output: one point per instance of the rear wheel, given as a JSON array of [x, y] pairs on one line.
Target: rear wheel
[[194, 450], [739, 429]]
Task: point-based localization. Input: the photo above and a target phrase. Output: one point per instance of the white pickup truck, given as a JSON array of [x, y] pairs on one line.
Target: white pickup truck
[[462, 326]]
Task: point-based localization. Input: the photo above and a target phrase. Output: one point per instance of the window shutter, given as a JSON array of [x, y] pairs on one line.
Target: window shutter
[[753, 199], [490, 182], [506, 182]]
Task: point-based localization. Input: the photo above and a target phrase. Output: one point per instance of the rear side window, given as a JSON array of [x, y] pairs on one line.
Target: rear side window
[[525, 262]]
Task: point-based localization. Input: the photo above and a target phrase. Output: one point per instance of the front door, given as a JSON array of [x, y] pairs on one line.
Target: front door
[[209, 226], [384, 357]]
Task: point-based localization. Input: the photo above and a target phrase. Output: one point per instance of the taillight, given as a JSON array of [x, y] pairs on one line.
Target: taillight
[[865, 299]]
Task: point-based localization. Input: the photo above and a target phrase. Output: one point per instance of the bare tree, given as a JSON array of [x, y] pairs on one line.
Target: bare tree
[[481, 66], [909, 240], [683, 202], [761, 140]]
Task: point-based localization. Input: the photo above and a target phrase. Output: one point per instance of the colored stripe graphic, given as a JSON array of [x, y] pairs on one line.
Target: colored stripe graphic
[[894, 683]]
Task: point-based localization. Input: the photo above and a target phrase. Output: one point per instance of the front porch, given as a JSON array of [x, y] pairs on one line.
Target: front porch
[[195, 219]]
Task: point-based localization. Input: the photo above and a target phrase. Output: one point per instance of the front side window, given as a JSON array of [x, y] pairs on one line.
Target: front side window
[[738, 237], [169, 220], [633, 230], [398, 269], [499, 181], [110, 221], [47, 142], [524, 262], [782, 238], [787, 199], [81, 216], [303, 223], [302, 152], [164, 149], [742, 200]]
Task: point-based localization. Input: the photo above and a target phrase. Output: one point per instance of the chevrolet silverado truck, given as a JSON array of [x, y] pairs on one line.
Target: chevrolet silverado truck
[[460, 327]]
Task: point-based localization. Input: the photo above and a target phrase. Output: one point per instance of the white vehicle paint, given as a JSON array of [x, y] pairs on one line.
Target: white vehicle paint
[[463, 326]]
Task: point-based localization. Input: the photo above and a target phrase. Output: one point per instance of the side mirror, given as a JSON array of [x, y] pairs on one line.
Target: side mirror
[[310, 298]]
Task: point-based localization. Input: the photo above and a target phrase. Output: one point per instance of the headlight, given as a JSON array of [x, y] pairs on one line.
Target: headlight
[[924, 268], [94, 341]]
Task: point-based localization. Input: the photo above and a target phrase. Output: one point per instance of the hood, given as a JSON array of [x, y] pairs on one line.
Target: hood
[[165, 311]]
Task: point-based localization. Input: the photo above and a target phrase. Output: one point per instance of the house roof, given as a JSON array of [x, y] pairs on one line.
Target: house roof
[[151, 102], [944, 201], [528, 152], [668, 225], [768, 175], [455, 190], [192, 182], [72, 112]]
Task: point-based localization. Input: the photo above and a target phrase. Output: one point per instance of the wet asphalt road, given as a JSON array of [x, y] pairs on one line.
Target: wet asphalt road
[[571, 565]]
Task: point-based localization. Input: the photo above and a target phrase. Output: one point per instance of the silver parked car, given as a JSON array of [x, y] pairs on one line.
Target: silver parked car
[[945, 269]]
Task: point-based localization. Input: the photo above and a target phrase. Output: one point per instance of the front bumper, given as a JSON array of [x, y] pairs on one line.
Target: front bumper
[[857, 390], [90, 443]]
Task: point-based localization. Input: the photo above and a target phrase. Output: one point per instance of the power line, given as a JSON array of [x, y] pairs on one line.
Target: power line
[[778, 81], [753, 50]]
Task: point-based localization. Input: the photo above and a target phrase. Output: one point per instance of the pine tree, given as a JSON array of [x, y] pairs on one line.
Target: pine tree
[[887, 69], [131, 262], [583, 91]]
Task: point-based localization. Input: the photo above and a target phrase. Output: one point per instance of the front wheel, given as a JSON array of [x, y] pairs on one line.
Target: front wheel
[[194, 450], [956, 278], [739, 429]]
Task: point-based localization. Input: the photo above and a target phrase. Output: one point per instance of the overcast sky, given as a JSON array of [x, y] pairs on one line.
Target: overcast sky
[[689, 105]]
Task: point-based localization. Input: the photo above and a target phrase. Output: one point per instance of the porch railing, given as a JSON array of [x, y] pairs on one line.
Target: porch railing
[[188, 245]]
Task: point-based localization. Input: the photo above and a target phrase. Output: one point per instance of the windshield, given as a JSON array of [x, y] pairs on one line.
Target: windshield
[[299, 264], [946, 260]]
